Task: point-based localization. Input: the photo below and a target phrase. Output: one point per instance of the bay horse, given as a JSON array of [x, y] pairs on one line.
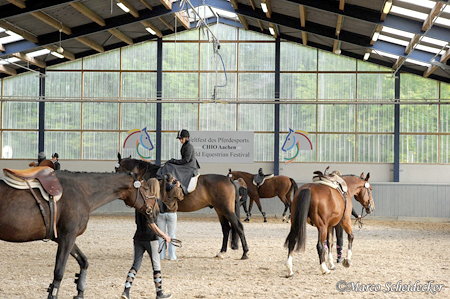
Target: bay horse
[[325, 207], [22, 221], [282, 186], [213, 190]]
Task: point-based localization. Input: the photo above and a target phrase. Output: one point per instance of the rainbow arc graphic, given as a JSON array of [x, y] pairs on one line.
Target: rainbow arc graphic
[[298, 139], [139, 138]]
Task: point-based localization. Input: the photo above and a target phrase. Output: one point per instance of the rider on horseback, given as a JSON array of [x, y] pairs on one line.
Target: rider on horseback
[[184, 168]]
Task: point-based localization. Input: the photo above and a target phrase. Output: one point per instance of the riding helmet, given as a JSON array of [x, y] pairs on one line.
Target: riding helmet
[[55, 155], [182, 134]]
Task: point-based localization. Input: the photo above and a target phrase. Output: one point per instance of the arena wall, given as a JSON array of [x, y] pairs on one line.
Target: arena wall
[[424, 190]]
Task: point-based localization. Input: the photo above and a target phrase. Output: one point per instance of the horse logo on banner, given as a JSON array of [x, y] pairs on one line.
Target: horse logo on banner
[[299, 139], [139, 138]]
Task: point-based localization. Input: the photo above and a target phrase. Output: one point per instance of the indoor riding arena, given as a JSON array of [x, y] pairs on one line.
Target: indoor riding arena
[[346, 101]]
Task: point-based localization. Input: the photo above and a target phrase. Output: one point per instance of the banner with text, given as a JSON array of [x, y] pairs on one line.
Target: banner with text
[[223, 146]]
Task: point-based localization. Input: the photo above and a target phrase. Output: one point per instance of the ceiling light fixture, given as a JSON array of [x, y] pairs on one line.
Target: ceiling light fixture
[[123, 7], [272, 30], [375, 36], [264, 7], [57, 54], [387, 6], [150, 30], [367, 55]]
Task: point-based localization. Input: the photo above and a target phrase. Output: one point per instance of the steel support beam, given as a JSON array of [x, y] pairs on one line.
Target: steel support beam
[[276, 141], [397, 130], [159, 95], [41, 133]]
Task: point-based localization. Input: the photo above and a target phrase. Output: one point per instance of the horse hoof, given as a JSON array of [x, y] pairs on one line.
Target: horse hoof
[[235, 247], [346, 263], [289, 275], [244, 257], [265, 220], [220, 255], [247, 220]]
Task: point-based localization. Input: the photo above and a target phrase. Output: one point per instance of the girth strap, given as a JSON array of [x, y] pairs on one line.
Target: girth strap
[[50, 229]]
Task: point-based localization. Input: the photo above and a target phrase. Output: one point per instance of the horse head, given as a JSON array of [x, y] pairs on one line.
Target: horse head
[[289, 142], [364, 196], [145, 140], [141, 196]]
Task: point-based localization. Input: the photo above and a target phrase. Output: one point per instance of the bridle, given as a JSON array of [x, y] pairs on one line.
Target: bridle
[[145, 208], [366, 190]]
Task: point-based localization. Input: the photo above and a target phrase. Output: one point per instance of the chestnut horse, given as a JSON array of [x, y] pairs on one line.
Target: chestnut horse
[[280, 185], [213, 190], [326, 207], [22, 221]]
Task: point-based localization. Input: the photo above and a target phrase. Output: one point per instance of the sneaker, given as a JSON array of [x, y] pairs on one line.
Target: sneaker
[[162, 296]]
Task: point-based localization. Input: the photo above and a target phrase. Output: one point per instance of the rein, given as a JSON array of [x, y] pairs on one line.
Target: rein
[[173, 241]]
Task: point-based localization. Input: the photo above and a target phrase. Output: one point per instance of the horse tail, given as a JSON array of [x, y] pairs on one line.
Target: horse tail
[[294, 186], [298, 225], [119, 157]]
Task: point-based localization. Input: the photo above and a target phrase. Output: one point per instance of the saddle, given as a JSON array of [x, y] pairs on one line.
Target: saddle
[[44, 179], [45, 175], [332, 180], [259, 179]]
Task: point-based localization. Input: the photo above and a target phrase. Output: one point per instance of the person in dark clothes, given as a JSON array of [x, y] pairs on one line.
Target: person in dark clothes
[[55, 161], [184, 168], [146, 239]]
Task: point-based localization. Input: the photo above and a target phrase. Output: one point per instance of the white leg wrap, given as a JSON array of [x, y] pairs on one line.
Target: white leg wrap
[[324, 269], [330, 261], [349, 254], [288, 265]]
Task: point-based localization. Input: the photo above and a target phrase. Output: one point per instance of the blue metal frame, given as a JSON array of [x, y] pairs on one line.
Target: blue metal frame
[[159, 105], [276, 143], [41, 134], [397, 130]]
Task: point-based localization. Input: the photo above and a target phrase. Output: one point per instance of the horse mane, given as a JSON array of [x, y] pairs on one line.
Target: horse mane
[[144, 164]]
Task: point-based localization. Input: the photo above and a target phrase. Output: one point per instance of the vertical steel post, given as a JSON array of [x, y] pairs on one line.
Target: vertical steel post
[[397, 130], [276, 143], [41, 134], [159, 105]]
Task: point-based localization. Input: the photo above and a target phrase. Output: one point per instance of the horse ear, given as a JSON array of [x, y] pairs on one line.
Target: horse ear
[[119, 157], [367, 177], [129, 157], [362, 175]]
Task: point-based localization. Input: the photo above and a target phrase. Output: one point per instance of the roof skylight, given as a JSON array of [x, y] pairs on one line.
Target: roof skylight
[[409, 13], [13, 37], [393, 40], [397, 32], [381, 53]]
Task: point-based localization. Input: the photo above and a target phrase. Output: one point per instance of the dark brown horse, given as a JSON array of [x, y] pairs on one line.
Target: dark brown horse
[[213, 190], [22, 221], [326, 207], [280, 185]]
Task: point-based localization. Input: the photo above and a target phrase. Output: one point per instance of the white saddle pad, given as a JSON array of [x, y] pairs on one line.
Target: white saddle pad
[[23, 185], [193, 184]]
